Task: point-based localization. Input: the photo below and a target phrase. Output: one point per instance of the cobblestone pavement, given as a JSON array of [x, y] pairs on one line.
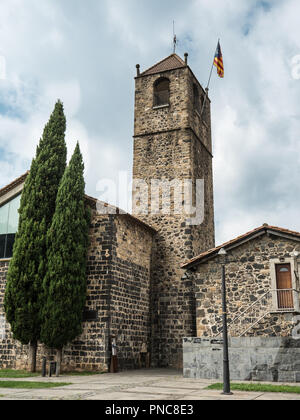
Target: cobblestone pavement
[[152, 384]]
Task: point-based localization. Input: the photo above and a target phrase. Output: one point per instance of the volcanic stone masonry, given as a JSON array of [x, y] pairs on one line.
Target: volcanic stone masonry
[[136, 290], [118, 289], [173, 142], [248, 279]]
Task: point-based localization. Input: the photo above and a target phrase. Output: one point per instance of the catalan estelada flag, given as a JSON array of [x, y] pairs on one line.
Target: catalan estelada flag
[[218, 61]]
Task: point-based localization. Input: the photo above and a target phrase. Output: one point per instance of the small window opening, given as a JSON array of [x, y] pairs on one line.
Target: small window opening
[[197, 103], [162, 92]]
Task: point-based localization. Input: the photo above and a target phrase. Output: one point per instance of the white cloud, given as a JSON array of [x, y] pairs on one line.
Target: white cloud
[[53, 39], [68, 92], [86, 56]]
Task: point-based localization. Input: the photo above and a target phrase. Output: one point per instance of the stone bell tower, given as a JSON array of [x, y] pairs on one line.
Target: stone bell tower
[[172, 145]]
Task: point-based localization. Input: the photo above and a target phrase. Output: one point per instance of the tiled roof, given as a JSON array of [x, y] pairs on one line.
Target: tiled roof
[[91, 200], [170, 63], [211, 253]]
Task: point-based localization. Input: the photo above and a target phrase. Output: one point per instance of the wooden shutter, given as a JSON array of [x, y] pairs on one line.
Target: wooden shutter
[[284, 286]]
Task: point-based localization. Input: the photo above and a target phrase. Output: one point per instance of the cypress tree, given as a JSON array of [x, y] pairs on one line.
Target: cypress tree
[[29, 262], [65, 281]]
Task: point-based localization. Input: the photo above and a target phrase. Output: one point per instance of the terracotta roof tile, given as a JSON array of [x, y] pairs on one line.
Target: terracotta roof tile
[[211, 253], [170, 63]]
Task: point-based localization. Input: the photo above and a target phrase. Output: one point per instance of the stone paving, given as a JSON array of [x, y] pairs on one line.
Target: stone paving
[[152, 384]]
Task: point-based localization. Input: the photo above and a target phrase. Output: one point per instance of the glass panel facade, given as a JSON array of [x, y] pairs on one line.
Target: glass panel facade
[[9, 218], [2, 245], [10, 239], [13, 219], [4, 212]]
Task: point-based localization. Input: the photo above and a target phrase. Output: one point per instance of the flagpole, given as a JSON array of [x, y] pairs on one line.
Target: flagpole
[[207, 88], [174, 38]]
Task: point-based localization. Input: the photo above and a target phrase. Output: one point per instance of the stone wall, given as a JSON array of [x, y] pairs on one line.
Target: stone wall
[[118, 284], [248, 279], [130, 291], [158, 120], [170, 144], [90, 350], [8, 351], [250, 359]]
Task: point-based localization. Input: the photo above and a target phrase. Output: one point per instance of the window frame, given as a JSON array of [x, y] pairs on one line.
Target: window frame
[[197, 100], [295, 286], [3, 203], [155, 84]]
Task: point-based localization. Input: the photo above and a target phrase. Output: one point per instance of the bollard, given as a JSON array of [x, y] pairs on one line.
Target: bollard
[[50, 373], [52, 368], [57, 369], [44, 367]]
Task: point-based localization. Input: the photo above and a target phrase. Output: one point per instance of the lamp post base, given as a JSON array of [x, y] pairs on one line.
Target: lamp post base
[[227, 393]]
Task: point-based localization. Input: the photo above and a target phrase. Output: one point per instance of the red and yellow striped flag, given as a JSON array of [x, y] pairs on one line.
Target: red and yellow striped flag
[[218, 61]]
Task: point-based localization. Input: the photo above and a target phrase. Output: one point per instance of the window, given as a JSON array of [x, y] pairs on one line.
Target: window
[[197, 105], [161, 92], [284, 283], [9, 218], [201, 104], [284, 286], [90, 315]]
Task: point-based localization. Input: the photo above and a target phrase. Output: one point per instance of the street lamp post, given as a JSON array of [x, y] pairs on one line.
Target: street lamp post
[[226, 374]]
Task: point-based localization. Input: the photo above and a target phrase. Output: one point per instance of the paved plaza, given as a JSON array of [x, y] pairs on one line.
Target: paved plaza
[[152, 384]]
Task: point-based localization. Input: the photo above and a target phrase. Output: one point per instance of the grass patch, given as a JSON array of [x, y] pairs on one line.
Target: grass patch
[[31, 385], [10, 373], [14, 374], [288, 389]]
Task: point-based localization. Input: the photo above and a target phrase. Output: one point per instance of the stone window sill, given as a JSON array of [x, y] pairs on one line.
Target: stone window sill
[[161, 106], [284, 311], [5, 260]]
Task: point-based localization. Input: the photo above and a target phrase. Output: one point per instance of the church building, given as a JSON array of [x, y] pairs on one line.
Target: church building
[[151, 280]]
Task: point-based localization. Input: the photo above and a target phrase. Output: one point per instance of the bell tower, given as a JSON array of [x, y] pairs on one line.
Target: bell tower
[[173, 193]]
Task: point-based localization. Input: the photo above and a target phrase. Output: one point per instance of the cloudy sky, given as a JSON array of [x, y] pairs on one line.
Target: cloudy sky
[[85, 52]]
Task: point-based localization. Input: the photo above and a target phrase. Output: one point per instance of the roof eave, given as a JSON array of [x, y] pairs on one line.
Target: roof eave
[[181, 64], [228, 247], [160, 72]]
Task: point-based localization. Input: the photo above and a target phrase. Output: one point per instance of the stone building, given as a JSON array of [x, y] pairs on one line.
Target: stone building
[[262, 282], [118, 289], [172, 142], [263, 307], [136, 292], [145, 287]]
